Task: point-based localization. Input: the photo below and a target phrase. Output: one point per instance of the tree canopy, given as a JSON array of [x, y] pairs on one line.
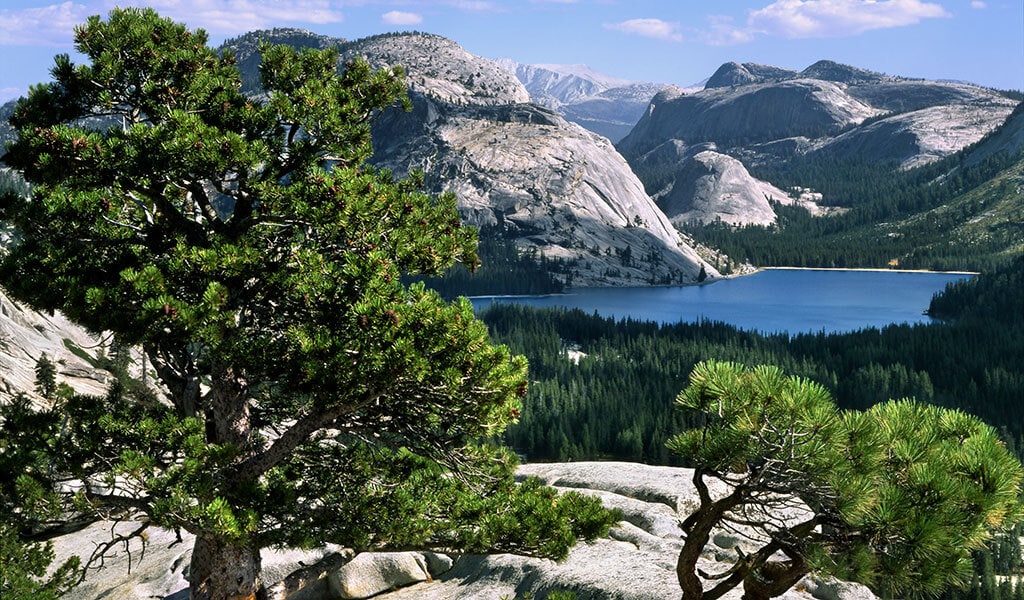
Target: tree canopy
[[243, 244], [896, 496]]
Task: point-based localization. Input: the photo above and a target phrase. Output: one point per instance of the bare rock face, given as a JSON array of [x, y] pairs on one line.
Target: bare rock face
[[732, 74], [26, 335], [714, 187], [636, 562], [766, 114], [921, 136], [551, 185], [554, 186], [439, 68], [749, 114]]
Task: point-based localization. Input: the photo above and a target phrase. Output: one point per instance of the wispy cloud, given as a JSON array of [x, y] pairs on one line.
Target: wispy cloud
[[651, 28], [240, 16], [474, 5], [978, 4], [397, 17], [797, 19], [52, 25], [43, 26]]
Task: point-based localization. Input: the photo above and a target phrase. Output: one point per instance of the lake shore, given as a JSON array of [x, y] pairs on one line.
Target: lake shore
[[867, 270]]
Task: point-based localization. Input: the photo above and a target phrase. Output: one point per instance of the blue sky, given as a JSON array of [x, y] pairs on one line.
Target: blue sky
[[669, 41]]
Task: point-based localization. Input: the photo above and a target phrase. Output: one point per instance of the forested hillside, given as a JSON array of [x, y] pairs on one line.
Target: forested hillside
[[604, 389], [965, 212]]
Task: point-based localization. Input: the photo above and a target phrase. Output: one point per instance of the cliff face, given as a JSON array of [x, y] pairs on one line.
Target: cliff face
[[765, 114], [551, 184], [710, 186]]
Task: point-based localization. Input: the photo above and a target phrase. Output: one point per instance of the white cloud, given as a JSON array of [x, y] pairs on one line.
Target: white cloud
[[473, 5], [723, 32], [978, 4], [43, 26], [240, 16], [797, 19], [397, 17], [10, 93], [839, 18], [652, 28]]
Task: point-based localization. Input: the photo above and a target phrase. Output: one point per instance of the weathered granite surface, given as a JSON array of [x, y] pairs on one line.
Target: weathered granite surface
[[636, 562]]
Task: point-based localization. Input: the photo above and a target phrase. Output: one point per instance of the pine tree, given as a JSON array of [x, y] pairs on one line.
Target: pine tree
[[248, 250], [897, 496]]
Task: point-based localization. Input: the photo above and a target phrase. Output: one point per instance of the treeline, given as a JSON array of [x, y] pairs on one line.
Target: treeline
[[878, 199], [503, 270], [907, 216], [604, 389]]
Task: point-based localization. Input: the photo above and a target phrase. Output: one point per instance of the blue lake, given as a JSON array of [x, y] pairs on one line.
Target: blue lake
[[773, 300]]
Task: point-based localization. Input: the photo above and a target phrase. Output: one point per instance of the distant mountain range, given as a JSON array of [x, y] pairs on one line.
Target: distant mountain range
[[552, 186], [764, 114], [526, 147], [605, 105]]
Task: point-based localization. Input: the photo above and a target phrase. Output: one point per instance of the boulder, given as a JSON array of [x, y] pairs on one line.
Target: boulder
[[372, 573]]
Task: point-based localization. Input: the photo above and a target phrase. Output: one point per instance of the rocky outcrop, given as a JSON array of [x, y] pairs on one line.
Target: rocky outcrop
[[553, 186], [713, 187], [636, 562], [26, 335], [441, 69], [748, 114], [764, 114], [918, 137], [374, 573], [733, 74]]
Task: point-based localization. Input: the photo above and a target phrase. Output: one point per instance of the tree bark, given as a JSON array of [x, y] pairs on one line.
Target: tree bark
[[223, 571], [697, 529], [773, 579]]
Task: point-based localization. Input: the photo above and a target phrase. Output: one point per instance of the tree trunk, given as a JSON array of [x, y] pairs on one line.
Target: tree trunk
[[773, 579], [221, 571]]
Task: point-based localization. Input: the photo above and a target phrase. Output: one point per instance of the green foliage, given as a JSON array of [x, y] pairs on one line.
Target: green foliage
[[258, 262], [23, 570], [616, 400], [951, 215], [503, 270], [898, 495], [46, 377]]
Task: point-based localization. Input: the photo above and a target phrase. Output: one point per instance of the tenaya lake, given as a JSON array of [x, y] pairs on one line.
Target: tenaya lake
[[771, 301]]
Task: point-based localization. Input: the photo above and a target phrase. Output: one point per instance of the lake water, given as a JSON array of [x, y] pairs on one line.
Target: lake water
[[772, 300]]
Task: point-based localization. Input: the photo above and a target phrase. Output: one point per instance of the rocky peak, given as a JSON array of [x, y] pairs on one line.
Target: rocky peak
[[732, 74], [554, 85], [606, 105], [551, 185], [439, 68], [766, 114], [713, 187], [828, 70]]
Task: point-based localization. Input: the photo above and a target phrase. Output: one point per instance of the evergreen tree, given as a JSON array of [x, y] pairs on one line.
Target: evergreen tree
[[249, 251], [896, 497], [46, 377]]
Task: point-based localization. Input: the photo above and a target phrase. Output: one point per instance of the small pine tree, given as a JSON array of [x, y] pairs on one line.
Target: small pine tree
[[46, 377]]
